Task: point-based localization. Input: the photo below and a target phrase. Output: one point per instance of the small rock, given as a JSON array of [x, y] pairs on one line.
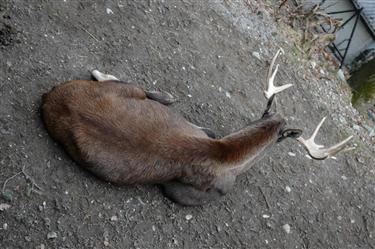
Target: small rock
[[288, 189], [360, 160], [175, 241], [41, 246], [4, 206], [286, 228], [270, 224], [256, 55], [189, 95], [27, 238], [114, 218], [309, 157], [5, 226], [4, 131], [188, 217], [356, 127], [8, 195], [291, 154], [340, 75], [265, 216], [106, 243], [47, 221], [51, 235], [109, 11], [227, 94]]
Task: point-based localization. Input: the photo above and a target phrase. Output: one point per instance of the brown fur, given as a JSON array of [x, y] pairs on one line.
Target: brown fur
[[116, 132]]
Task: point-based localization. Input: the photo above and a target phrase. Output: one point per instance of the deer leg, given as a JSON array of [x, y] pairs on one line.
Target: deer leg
[[210, 133], [102, 77], [162, 97], [159, 96], [187, 195]]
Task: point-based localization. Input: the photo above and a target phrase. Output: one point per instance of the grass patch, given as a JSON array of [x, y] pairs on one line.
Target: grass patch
[[365, 91]]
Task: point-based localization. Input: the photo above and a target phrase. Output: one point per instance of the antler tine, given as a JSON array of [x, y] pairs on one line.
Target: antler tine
[[317, 152], [272, 89], [341, 146], [312, 138]]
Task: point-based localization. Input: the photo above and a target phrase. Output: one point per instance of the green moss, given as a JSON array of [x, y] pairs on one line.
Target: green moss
[[365, 91]]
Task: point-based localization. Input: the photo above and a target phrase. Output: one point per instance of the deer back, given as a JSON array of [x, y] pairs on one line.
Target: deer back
[[117, 133]]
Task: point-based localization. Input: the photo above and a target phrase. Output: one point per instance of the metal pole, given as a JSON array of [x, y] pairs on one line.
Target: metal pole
[[341, 11], [351, 36]]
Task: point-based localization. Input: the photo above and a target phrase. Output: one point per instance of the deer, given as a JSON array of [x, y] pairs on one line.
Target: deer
[[128, 135]]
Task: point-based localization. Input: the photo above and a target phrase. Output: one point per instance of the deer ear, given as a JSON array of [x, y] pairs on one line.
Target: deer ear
[[291, 133]]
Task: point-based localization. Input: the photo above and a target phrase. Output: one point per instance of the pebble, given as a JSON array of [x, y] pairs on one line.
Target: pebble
[[47, 222], [288, 189], [265, 216], [286, 228], [360, 160], [41, 246], [227, 94], [340, 75], [52, 235], [109, 11], [356, 127], [4, 206], [5, 226], [188, 217], [114, 218], [257, 55], [291, 154]]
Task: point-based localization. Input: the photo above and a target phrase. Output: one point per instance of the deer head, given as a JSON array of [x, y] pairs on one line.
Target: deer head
[[316, 151]]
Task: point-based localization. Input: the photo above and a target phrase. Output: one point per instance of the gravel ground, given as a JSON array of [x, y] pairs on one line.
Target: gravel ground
[[204, 53]]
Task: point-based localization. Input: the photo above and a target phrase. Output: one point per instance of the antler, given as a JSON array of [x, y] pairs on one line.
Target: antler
[[272, 89], [316, 151]]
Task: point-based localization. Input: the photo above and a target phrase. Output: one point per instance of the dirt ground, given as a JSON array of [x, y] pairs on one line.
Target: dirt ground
[[201, 52]]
